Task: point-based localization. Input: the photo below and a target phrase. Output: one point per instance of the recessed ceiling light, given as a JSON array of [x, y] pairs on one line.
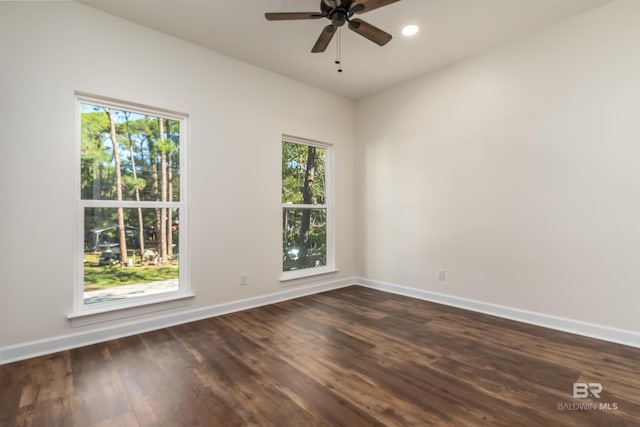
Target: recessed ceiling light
[[410, 30]]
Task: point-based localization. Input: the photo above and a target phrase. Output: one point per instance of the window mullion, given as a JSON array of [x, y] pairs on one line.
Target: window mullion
[[128, 204], [297, 206]]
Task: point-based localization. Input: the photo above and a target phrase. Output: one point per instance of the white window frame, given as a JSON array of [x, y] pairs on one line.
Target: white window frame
[[84, 314], [328, 205]]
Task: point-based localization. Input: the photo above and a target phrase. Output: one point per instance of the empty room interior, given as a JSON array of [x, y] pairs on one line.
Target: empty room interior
[[292, 213]]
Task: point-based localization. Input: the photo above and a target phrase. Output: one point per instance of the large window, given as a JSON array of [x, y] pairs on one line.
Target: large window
[[307, 243], [131, 204]]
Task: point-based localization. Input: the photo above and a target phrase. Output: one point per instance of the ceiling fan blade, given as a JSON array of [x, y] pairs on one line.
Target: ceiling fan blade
[[288, 16], [324, 39], [370, 32], [362, 6]]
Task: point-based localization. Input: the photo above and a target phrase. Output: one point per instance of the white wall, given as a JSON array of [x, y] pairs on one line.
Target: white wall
[[237, 114], [517, 171]]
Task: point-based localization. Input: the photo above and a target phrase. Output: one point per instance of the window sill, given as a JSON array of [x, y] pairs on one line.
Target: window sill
[[307, 272], [118, 310]]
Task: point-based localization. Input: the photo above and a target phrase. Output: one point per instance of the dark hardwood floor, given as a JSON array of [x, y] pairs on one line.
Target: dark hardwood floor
[[350, 357]]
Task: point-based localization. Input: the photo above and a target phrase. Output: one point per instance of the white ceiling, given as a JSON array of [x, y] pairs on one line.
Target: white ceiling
[[450, 30]]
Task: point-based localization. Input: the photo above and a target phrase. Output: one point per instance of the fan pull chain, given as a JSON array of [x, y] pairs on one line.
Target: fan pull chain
[[339, 51]]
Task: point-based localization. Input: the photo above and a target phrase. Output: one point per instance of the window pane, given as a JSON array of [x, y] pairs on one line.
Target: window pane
[[304, 239], [143, 164], [148, 266], [303, 174]]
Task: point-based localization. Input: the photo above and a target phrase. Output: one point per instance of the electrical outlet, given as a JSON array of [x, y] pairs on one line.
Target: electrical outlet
[[243, 279], [440, 273]]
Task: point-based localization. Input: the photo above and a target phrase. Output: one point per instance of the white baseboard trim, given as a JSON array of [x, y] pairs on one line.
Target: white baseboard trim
[[606, 333], [31, 349]]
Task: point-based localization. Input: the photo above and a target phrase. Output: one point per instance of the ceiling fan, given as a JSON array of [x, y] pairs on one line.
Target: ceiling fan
[[340, 12]]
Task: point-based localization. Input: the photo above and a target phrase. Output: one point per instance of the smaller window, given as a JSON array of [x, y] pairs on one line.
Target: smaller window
[[307, 241]]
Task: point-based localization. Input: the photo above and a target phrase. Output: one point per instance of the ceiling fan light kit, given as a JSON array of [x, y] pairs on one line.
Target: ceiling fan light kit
[[340, 12]]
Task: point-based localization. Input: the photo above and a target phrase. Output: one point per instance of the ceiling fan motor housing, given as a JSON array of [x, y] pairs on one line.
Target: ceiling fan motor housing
[[336, 11]]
